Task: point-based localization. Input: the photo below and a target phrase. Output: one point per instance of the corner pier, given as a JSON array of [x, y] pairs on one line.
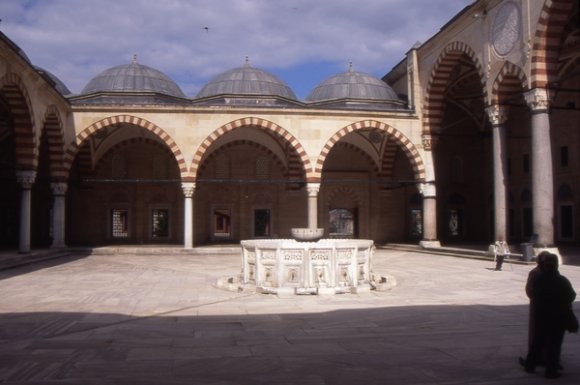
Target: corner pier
[[288, 266]]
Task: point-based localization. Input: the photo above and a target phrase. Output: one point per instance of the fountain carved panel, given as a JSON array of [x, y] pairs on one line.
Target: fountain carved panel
[[328, 266]]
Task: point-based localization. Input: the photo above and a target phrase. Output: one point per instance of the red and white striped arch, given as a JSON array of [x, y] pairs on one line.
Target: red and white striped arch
[[16, 96], [73, 149], [438, 82], [52, 129], [404, 143], [553, 18], [250, 122], [510, 81]]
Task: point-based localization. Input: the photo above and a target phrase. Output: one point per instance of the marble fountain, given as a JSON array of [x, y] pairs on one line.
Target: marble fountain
[[307, 264]]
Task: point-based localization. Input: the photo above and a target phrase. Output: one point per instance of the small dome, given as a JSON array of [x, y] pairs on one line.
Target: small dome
[[58, 84], [246, 80], [133, 77], [352, 85]]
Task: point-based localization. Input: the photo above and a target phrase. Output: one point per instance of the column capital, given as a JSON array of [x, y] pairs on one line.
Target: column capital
[[537, 99], [313, 189], [26, 178], [188, 189], [497, 114], [428, 190], [59, 188], [427, 140]]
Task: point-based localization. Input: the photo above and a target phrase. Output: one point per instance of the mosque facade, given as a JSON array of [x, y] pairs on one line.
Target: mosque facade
[[473, 136]]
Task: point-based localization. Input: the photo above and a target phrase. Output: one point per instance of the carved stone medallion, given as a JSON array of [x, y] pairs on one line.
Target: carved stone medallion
[[506, 28]]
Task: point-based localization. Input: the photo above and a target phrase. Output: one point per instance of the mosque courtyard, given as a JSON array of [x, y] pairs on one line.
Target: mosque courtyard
[[144, 318]]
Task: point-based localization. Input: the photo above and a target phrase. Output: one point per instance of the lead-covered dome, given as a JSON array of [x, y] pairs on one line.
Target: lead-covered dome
[[58, 84], [355, 89], [246, 81], [133, 77]]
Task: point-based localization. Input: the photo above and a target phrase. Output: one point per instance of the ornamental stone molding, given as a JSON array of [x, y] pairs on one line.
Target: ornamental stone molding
[[188, 189], [313, 189], [428, 190], [537, 99], [427, 142], [26, 178], [506, 28], [59, 189], [497, 114]]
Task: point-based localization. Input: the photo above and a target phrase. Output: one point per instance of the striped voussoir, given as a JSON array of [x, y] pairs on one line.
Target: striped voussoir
[[73, 149], [553, 19], [510, 81], [53, 135], [401, 140], [439, 79], [16, 96], [282, 135]]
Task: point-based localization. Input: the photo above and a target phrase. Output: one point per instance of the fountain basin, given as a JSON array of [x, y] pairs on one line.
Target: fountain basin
[[328, 266], [307, 234]]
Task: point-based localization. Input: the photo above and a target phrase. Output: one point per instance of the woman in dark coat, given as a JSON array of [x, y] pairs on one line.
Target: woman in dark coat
[[551, 296]]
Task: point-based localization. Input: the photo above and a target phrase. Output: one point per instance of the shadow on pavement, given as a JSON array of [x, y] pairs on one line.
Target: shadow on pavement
[[395, 345]]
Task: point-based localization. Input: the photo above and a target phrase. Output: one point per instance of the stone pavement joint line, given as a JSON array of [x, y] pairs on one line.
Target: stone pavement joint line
[[160, 319], [142, 318]]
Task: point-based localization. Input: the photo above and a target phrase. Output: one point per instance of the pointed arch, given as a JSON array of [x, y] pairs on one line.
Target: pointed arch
[[251, 122], [406, 145], [18, 100], [438, 80], [53, 130], [545, 48], [511, 80], [73, 148]]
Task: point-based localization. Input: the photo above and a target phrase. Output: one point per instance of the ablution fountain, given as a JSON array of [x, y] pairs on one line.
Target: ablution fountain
[[307, 264]]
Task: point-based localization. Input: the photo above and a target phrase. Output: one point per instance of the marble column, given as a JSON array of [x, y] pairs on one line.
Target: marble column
[[542, 172], [429, 216], [188, 190], [498, 115], [26, 180], [313, 189], [58, 214]]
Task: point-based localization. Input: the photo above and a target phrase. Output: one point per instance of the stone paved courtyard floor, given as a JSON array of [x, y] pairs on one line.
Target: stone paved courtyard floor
[[160, 319]]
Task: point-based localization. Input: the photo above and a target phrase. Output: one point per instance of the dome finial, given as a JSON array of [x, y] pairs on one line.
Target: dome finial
[[134, 60], [247, 61], [350, 66]]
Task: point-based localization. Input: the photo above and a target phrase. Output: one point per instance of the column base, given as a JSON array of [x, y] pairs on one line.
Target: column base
[[429, 243]]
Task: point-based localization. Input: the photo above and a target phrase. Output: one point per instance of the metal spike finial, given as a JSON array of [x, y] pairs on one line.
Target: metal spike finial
[[134, 61], [247, 61], [350, 66]]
